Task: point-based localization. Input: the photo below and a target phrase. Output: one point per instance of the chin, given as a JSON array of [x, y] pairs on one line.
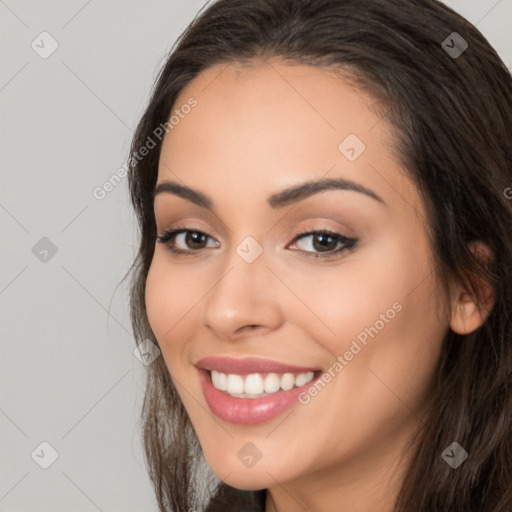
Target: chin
[[234, 473]]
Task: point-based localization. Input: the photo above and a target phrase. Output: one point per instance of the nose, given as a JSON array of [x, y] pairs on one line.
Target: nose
[[243, 300]]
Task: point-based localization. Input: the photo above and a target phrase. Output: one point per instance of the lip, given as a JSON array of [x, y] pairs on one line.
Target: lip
[[249, 365], [249, 411]]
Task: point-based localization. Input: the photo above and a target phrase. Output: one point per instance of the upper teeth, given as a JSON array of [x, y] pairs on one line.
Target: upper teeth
[[257, 384]]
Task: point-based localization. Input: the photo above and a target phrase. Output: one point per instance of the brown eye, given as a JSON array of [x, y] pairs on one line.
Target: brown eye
[[323, 243], [195, 239], [186, 241]]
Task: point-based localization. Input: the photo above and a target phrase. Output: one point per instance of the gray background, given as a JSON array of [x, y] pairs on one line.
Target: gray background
[[68, 373]]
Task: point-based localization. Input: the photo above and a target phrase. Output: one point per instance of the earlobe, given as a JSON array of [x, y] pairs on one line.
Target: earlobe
[[469, 312], [466, 315]]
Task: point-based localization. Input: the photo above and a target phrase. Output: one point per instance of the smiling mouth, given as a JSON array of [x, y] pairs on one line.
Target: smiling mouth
[[259, 385], [249, 391]]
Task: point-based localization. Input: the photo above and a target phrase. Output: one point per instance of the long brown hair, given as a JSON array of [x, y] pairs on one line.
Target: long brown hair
[[452, 119]]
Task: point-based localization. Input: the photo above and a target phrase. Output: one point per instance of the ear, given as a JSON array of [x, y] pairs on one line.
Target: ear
[[471, 307]]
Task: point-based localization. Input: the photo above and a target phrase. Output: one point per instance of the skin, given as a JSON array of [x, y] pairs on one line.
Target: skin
[[255, 131]]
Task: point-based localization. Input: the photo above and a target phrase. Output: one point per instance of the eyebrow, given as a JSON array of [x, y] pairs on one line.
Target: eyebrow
[[281, 199]]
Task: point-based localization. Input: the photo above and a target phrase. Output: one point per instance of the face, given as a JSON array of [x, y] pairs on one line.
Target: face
[[315, 312]]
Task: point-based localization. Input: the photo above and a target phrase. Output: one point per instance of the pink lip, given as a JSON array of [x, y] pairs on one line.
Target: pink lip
[[248, 411], [249, 365]]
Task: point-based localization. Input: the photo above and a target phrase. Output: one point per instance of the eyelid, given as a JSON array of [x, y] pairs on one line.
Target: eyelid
[[190, 225]]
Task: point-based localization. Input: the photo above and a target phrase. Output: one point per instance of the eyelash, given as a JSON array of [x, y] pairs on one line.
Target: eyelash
[[348, 243]]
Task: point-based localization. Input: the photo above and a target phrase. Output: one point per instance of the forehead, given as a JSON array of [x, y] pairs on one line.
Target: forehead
[[277, 124], [302, 97]]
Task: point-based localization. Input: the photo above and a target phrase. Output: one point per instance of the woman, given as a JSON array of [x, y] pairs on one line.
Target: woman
[[325, 246]]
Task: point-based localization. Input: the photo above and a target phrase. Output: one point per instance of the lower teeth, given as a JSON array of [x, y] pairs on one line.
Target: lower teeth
[[245, 395]]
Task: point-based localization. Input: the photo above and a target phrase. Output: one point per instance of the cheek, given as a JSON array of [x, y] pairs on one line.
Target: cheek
[[171, 291], [389, 328], [343, 300], [378, 308], [169, 298], [158, 295]]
